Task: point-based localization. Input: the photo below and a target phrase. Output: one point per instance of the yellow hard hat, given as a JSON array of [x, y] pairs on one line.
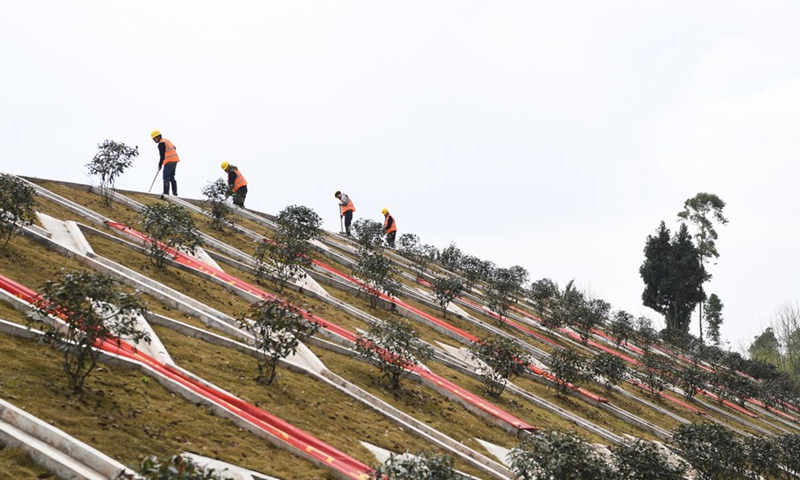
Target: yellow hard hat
[[224, 165], [384, 211], [155, 133]]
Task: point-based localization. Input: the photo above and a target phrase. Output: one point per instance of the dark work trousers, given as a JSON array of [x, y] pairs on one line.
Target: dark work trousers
[[239, 196], [169, 178], [390, 238], [348, 217]]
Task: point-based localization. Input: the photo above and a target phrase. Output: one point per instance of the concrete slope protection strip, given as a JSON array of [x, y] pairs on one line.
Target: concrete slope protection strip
[[460, 392], [280, 429]]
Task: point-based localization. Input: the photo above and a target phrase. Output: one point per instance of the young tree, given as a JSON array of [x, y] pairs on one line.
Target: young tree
[[278, 329], [646, 335], [94, 309], [173, 468], [569, 368], [395, 348], [285, 256], [711, 449], [216, 207], [657, 371], [450, 257], [112, 159], [17, 206], [622, 327], [420, 255], [689, 379], [565, 306], [555, 455], [474, 270], [713, 318], [544, 294], [642, 460], [609, 367], [170, 228], [673, 276], [588, 314], [505, 359], [503, 285], [416, 467], [377, 272], [763, 456], [702, 211], [368, 233], [446, 289]]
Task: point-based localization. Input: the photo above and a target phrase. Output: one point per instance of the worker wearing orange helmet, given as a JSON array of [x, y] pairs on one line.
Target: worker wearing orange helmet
[[236, 183], [346, 209], [168, 159], [389, 227]]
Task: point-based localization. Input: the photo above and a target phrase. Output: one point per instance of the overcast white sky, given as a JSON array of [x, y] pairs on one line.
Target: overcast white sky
[[552, 135]]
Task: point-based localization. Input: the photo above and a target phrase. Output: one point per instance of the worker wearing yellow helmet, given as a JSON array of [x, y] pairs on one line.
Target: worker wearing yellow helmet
[[168, 159], [236, 183], [389, 227], [346, 209]]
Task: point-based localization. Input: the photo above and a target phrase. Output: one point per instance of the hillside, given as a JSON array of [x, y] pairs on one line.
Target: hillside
[[130, 412]]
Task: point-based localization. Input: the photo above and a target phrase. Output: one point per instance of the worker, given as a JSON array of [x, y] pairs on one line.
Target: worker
[[168, 159], [346, 209], [389, 227], [236, 183]]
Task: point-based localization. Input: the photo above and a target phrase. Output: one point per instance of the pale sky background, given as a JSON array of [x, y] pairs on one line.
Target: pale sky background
[[552, 135]]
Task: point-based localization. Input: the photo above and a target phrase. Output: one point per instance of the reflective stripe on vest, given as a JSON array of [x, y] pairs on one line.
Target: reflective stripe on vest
[[393, 228], [239, 182], [347, 207], [170, 152]]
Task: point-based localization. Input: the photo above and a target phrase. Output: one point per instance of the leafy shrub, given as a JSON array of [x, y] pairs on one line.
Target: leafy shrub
[[610, 367], [170, 228], [377, 273], [112, 159], [557, 456], [17, 206], [446, 289], [416, 467], [394, 347], [569, 368], [174, 468], [712, 450], [505, 359], [642, 460], [278, 328], [217, 209], [94, 309]]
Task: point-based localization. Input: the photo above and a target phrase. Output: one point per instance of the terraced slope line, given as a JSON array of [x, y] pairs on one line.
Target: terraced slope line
[[458, 391], [327, 455]]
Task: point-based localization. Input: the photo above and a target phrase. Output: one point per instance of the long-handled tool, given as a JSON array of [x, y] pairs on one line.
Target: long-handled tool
[[154, 181], [341, 225]]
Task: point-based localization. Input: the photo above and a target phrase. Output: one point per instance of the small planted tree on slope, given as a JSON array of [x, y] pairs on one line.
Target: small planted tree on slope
[[94, 309], [17, 206], [377, 273], [112, 159], [446, 289], [556, 455], [395, 348], [278, 328], [505, 359], [416, 467], [170, 228], [217, 209]]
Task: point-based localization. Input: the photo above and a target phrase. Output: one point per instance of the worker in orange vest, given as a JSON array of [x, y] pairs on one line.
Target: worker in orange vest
[[168, 159], [236, 183], [346, 209], [389, 227]]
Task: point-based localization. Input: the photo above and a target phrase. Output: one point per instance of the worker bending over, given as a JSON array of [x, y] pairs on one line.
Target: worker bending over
[[236, 183], [346, 209], [389, 227]]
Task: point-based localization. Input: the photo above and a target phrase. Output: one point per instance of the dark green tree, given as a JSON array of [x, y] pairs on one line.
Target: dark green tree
[[450, 257], [395, 348], [712, 450], [17, 206], [475, 270], [377, 273], [170, 228], [543, 294], [766, 348], [219, 214], [588, 314], [505, 359], [673, 276], [558, 456], [702, 211], [646, 335], [111, 161], [609, 367], [569, 368], [503, 285], [446, 289], [277, 328], [642, 460], [368, 233], [421, 255], [713, 318], [423, 466], [94, 309], [173, 468], [622, 327], [287, 255]]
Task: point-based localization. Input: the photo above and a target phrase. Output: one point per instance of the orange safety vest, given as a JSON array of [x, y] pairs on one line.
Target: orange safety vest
[[239, 182], [170, 152], [393, 228], [347, 207]]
